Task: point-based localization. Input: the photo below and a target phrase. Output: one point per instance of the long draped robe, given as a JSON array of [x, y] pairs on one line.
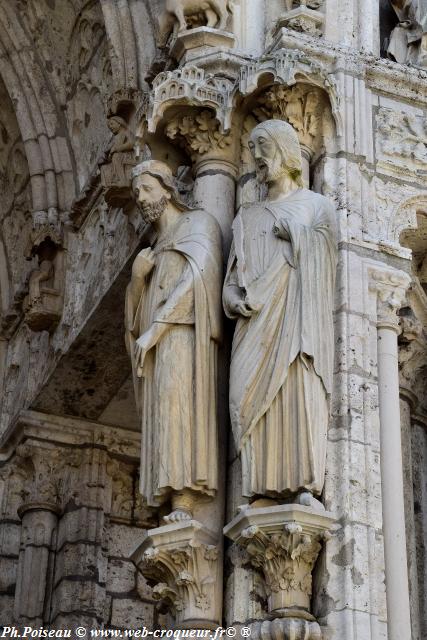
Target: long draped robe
[[176, 396], [405, 37], [282, 356]]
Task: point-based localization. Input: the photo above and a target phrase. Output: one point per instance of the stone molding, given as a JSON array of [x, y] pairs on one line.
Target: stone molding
[[183, 562], [61, 430]]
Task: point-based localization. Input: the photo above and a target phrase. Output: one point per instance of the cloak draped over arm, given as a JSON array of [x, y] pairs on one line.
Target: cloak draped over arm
[[315, 254]]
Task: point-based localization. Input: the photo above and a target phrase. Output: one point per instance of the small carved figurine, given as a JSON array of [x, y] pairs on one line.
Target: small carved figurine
[[42, 274], [122, 149]]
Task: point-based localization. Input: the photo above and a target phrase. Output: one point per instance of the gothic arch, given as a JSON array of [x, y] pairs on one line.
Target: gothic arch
[[48, 155], [404, 217]]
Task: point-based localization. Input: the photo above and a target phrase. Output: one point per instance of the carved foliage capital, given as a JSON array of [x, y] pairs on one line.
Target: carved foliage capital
[[183, 566], [200, 134], [283, 543], [46, 473], [286, 558], [391, 288]]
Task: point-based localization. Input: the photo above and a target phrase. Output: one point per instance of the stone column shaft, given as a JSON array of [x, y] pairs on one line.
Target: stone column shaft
[[215, 191], [391, 293], [34, 578]]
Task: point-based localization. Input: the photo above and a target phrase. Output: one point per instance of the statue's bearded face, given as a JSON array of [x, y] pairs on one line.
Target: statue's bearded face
[[268, 159], [151, 196]]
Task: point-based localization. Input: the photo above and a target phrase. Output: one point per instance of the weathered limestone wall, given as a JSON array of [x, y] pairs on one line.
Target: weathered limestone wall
[[65, 558]]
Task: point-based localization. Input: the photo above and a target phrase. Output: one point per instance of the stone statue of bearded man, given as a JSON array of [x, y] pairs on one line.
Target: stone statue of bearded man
[[280, 286], [173, 323]]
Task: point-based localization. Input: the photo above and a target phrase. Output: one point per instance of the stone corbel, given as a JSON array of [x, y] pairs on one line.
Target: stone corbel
[[181, 562], [283, 543]]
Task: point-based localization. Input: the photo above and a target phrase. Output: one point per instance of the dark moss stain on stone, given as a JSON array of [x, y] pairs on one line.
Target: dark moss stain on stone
[[357, 577], [346, 555]]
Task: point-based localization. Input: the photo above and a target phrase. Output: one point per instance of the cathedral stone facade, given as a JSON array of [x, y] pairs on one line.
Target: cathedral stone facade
[[213, 305]]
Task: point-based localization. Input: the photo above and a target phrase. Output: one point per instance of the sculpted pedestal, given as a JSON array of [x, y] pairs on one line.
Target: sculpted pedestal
[[283, 543], [193, 42], [182, 561]]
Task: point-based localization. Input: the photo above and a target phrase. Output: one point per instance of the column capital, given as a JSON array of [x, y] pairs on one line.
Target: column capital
[[44, 470], [283, 543], [391, 287], [181, 561], [200, 134]]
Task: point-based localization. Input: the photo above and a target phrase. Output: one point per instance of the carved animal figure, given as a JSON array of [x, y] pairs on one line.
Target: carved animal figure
[[216, 12]]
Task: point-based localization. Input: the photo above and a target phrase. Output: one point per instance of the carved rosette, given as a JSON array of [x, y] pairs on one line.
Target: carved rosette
[[283, 543], [181, 561]]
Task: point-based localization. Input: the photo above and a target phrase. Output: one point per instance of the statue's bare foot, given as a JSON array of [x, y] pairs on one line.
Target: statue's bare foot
[[178, 515], [306, 499]]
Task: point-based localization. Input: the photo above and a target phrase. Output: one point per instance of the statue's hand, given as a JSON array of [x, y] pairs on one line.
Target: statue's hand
[[147, 341], [144, 262], [280, 231], [241, 308]]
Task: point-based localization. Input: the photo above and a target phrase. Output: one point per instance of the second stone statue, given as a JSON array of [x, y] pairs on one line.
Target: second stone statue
[[173, 321], [280, 288]]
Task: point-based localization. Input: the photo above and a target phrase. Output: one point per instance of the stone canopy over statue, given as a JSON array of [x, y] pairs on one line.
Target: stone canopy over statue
[[280, 287], [173, 321], [408, 40]]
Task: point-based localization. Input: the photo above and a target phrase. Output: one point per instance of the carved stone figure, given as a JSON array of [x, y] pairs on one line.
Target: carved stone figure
[[173, 317], [116, 173], [408, 41], [280, 287], [43, 304], [177, 11], [42, 274]]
